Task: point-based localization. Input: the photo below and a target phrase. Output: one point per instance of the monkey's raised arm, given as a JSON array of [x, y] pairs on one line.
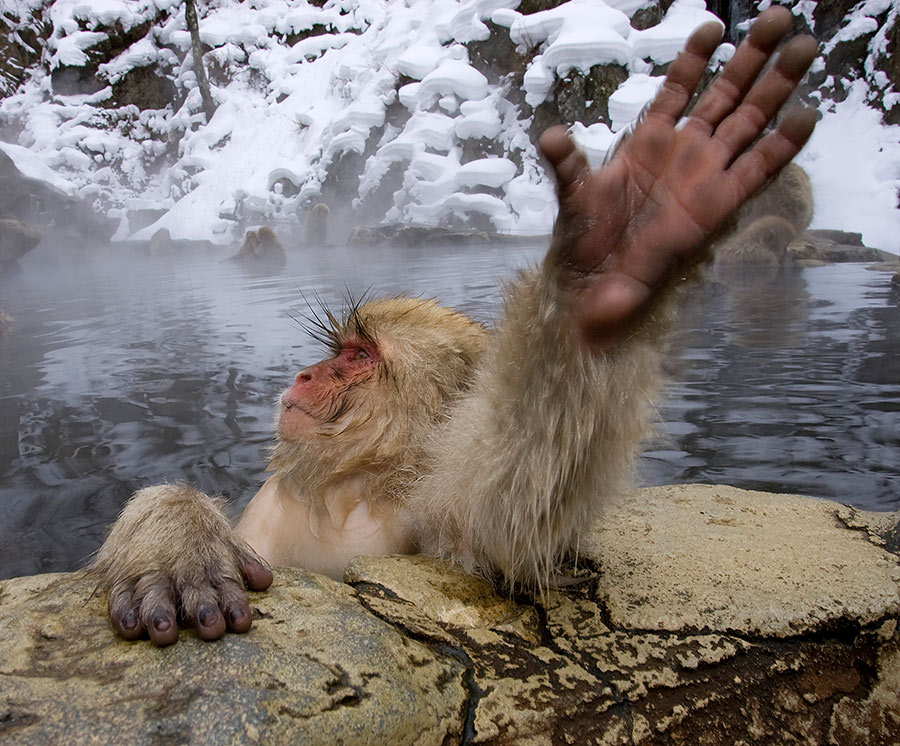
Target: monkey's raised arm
[[564, 394]]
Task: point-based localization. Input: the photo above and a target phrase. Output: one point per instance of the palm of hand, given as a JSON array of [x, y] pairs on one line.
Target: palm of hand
[[623, 229]]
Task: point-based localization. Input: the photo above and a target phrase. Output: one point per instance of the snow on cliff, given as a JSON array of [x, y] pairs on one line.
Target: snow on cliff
[[300, 86]]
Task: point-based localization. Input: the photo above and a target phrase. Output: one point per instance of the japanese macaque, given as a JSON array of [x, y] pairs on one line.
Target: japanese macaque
[[763, 242], [788, 196], [360, 236], [160, 242], [766, 224], [261, 245], [315, 227], [424, 432]]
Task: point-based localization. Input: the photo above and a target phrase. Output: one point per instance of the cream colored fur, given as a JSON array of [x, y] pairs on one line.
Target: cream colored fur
[[490, 449], [170, 540], [546, 432]]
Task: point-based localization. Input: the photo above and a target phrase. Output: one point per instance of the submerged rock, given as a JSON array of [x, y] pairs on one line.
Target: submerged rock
[[697, 615]]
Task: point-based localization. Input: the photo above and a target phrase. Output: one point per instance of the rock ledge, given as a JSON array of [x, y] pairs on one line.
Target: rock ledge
[[698, 615]]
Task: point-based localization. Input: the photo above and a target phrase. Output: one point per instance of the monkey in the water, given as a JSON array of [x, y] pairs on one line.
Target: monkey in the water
[[422, 432], [788, 196], [766, 224], [261, 245], [360, 236], [757, 253], [315, 227]]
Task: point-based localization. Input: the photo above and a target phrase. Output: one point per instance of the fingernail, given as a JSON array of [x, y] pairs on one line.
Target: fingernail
[[235, 616], [129, 621], [162, 623], [206, 615]]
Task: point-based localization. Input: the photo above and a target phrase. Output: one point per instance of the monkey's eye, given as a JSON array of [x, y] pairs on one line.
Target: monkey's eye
[[361, 354]]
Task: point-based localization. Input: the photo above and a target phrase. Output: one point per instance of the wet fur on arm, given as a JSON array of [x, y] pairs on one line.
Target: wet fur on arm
[[546, 432]]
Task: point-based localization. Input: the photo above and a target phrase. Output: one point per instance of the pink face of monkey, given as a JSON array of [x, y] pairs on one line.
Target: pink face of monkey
[[322, 394]]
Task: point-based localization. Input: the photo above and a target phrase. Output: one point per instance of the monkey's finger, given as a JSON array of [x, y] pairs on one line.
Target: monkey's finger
[[234, 605], [122, 612], [201, 608], [767, 96], [157, 614], [256, 575], [685, 73], [730, 87], [774, 151], [569, 164]]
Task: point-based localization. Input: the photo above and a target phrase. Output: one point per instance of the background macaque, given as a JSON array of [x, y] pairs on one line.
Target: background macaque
[[763, 242], [360, 236], [788, 196], [261, 245], [315, 227], [766, 224], [423, 432]]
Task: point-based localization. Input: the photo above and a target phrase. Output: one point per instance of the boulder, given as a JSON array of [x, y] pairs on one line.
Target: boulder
[[46, 210], [695, 615], [16, 240], [832, 246]]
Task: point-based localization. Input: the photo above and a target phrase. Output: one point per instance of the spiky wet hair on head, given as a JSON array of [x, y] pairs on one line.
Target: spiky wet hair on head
[[329, 330]]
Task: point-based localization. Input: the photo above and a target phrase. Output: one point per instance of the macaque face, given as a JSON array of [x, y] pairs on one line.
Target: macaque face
[[330, 390], [395, 365]]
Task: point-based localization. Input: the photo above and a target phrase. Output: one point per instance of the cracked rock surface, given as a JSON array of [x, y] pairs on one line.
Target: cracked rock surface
[[695, 615]]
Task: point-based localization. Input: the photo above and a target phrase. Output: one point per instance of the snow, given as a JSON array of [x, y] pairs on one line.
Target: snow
[[628, 99], [855, 177], [576, 35], [662, 42], [492, 172], [390, 81], [478, 119], [419, 60], [595, 141], [34, 167], [452, 76]]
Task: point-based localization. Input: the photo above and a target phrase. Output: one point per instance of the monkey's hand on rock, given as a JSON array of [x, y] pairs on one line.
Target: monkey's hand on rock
[[172, 556], [627, 228]]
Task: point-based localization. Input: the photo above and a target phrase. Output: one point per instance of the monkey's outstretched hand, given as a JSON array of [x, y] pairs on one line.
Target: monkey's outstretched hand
[[173, 557], [627, 228]]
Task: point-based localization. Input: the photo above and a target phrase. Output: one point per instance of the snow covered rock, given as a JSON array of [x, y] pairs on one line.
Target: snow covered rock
[[345, 101]]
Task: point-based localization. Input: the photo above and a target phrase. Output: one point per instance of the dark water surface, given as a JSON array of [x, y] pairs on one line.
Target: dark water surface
[[130, 372]]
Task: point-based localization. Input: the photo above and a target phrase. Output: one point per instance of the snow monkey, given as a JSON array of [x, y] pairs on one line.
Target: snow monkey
[[260, 245], [315, 227], [423, 432], [766, 224]]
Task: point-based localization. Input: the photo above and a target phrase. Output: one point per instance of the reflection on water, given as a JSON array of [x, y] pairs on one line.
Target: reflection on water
[[788, 386], [134, 372]]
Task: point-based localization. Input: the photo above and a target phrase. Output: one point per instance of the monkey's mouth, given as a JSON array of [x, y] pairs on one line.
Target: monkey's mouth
[[295, 407], [295, 418]]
